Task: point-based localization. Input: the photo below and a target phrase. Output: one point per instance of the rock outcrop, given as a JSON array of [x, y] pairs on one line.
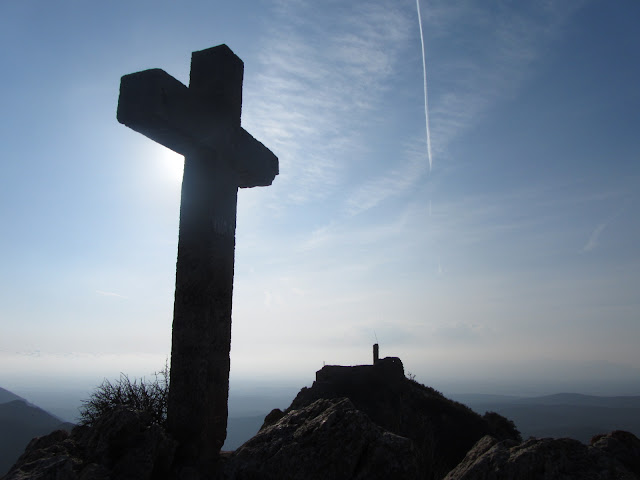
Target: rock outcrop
[[441, 430], [122, 445], [612, 456], [329, 439]]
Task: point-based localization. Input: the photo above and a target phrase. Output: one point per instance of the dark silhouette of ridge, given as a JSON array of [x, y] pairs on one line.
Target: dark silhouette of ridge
[[441, 429], [7, 396], [19, 423], [583, 400]]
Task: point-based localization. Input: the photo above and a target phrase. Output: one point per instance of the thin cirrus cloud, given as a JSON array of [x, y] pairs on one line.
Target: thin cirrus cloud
[[320, 78], [592, 243], [109, 294], [468, 85], [594, 239], [477, 75], [393, 183]]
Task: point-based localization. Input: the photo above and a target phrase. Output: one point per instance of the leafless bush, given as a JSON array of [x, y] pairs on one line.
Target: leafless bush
[[147, 396]]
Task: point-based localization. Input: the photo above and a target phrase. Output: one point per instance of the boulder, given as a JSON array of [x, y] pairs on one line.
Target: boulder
[[621, 445], [614, 455]]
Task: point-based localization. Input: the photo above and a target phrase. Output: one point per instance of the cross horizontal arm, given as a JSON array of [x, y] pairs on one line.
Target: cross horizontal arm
[[160, 107], [256, 165], [155, 104]]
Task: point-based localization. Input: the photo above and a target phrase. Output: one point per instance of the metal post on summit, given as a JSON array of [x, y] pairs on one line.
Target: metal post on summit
[[201, 122]]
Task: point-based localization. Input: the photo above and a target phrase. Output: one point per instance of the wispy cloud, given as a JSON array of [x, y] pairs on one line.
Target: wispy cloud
[[474, 72], [623, 204], [321, 76], [461, 332], [345, 234], [395, 182], [109, 294], [593, 238], [326, 72], [471, 74]]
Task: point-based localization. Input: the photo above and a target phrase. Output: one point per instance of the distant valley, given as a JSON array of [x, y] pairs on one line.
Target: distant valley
[[562, 415]]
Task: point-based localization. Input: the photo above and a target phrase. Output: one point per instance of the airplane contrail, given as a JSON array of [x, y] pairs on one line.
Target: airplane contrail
[[426, 101]]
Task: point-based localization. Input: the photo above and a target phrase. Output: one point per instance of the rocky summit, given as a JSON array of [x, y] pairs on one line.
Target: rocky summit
[[354, 422], [327, 439], [440, 430]]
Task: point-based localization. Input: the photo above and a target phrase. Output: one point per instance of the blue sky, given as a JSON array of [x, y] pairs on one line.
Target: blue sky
[[513, 260]]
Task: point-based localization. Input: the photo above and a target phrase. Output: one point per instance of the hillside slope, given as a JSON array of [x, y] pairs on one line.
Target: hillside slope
[[7, 396], [19, 423]]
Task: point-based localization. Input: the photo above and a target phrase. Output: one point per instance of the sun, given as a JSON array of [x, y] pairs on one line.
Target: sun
[[171, 164]]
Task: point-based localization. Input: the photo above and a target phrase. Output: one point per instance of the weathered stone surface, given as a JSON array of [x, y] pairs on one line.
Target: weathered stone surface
[[612, 456], [621, 445], [329, 439], [122, 445], [50, 456], [272, 417], [202, 122]]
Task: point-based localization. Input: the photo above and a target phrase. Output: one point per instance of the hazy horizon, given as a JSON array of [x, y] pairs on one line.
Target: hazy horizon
[[61, 396]]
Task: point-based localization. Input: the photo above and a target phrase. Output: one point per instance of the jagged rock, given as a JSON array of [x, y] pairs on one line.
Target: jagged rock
[[624, 446], [54, 456], [329, 439], [441, 430], [121, 445], [615, 455], [272, 417]]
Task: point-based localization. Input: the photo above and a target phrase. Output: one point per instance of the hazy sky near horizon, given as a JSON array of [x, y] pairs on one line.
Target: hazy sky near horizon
[[515, 256]]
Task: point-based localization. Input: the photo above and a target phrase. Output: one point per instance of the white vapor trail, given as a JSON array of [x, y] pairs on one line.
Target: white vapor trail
[[426, 101]]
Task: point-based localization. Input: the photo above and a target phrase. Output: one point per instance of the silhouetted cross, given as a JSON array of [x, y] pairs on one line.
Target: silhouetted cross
[[201, 122]]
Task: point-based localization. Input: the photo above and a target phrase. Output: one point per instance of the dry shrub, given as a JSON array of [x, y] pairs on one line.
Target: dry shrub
[[145, 396]]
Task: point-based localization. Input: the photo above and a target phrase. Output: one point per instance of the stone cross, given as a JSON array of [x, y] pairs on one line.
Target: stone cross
[[201, 122]]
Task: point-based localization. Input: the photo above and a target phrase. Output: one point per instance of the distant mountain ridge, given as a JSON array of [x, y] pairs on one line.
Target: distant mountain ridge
[[570, 415], [583, 400], [7, 396], [566, 398], [21, 421]]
